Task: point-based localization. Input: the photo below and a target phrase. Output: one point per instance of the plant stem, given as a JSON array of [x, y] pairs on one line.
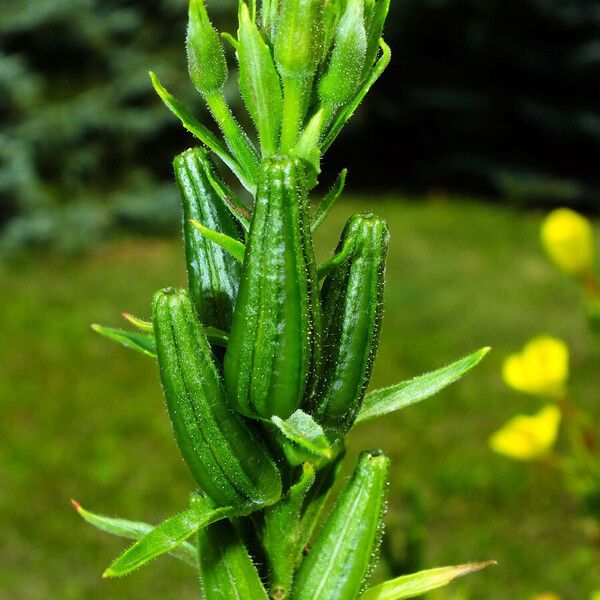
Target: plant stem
[[295, 103], [237, 140]]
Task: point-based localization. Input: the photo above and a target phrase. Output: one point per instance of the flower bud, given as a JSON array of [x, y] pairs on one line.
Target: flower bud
[[206, 58], [568, 239], [298, 37], [344, 73]]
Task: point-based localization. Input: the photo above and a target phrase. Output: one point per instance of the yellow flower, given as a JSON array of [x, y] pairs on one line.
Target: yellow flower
[[568, 238], [548, 596], [528, 437], [541, 368]]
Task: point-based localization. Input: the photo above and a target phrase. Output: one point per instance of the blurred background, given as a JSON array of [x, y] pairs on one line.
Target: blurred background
[[487, 117]]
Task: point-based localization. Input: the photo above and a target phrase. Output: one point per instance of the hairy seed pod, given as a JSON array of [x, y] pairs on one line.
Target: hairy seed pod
[[273, 347], [228, 461], [213, 274], [226, 569], [339, 561], [352, 301]]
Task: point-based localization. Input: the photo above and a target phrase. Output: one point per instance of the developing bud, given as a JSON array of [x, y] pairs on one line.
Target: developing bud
[[344, 73], [298, 37], [206, 58], [568, 239]]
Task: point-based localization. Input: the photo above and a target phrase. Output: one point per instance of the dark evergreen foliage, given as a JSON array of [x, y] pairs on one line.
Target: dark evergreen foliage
[[493, 97]]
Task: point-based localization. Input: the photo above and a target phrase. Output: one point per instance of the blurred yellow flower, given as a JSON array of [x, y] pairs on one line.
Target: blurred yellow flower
[[541, 368], [568, 238], [528, 437], [548, 596]]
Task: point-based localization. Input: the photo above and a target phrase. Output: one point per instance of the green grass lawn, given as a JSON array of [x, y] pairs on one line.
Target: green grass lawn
[[82, 418]]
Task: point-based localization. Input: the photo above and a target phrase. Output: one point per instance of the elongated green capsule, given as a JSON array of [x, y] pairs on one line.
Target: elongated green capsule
[[339, 561], [352, 301], [206, 58], [213, 274], [228, 461], [226, 569], [273, 347]]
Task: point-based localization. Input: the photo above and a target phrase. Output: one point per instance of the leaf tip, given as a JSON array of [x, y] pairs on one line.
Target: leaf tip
[[96, 327], [108, 573], [76, 505]]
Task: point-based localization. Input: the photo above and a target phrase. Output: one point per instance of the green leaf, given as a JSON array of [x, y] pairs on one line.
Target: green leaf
[[409, 586], [233, 246], [336, 259], [307, 147], [233, 204], [329, 200], [259, 82], [142, 325], [216, 337], [196, 128], [348, 111], [307, 441], [134, 530], [168, 535], [142, 342], [396, 397]]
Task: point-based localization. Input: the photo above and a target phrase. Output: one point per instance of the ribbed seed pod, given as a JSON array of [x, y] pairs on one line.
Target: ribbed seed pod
[[339, 561], [229, 463], [226, 569], [213, 274], [273, 347], [352, 301]]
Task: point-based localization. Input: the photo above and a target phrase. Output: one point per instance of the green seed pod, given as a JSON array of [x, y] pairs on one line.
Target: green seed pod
[[339, 561], [298, 37], [226, 569], [228, 461], [343, 75], [206, 58], [213, 274], [352, 301], [273, 348]]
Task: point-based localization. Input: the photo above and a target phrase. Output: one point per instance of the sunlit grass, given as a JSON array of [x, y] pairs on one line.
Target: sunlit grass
[[84, 418]]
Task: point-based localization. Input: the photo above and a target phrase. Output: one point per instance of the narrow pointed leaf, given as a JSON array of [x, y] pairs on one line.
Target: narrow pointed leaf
[[410, 586], [141, 342], [259, 83], [234, 204], [216, 337], [134, 530], [196, 128], [396, 397], [307, 147], [336, 259], [329, 200], [167, 536], [308, 441], [233, 246], [348, 111], [142, 325]]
